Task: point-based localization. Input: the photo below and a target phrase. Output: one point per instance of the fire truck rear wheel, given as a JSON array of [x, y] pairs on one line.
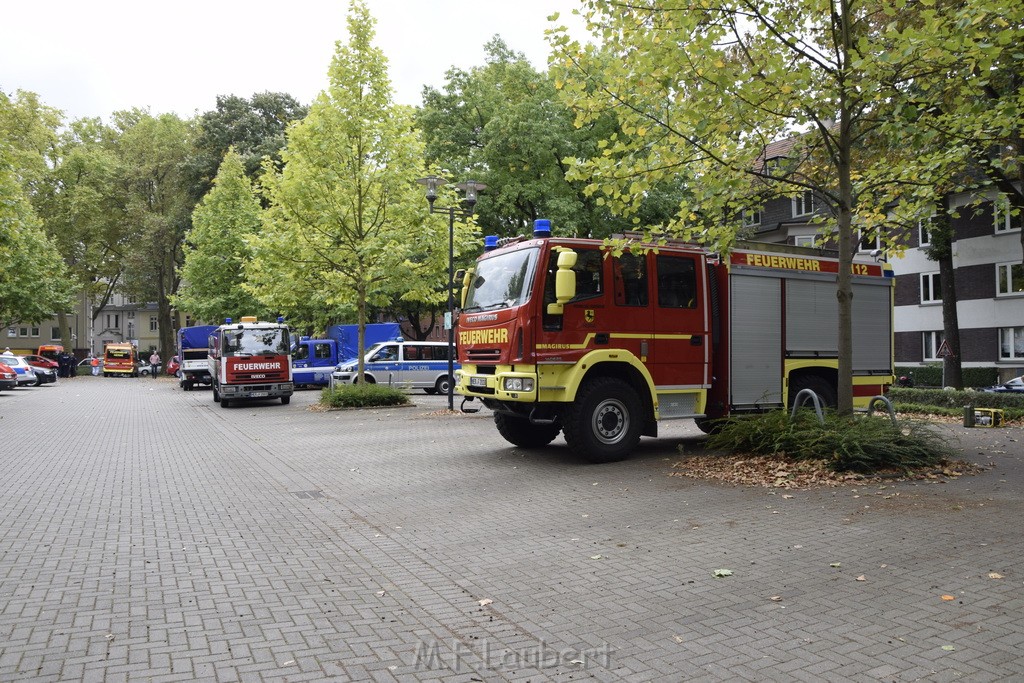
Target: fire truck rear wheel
[[819, 385], [603, 424], [518, 431]]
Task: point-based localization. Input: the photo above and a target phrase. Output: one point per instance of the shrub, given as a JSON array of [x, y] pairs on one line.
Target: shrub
[[845, 444], [931, 375], [364, 395]]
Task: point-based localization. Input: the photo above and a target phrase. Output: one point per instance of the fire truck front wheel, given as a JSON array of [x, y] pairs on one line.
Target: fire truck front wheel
[[603, 424], [518, 431]]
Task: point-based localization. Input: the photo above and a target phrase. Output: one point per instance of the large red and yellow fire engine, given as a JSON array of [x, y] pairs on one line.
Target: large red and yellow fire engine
[[558, 335], [251, 360]]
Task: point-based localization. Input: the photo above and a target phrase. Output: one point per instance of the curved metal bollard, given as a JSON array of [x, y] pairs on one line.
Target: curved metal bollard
[[802, 396], [888, 405]]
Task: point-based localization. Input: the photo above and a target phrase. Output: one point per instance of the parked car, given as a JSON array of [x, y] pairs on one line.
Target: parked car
[[41, 361], [85, 366], [26, 373], [145, 369], [1015, 385], [173, 365], [8, 377]]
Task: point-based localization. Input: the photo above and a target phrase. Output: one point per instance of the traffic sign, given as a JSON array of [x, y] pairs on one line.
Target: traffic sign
[[944, 350]]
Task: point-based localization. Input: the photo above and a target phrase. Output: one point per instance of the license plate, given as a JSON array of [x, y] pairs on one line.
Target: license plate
[[478, 381], [259, 394]]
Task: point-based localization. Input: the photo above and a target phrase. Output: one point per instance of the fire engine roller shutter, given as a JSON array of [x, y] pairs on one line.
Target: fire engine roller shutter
[[812, 319], [872, 328], [756, 341]]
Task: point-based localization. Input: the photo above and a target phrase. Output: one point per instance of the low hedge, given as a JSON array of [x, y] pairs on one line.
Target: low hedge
[[364, 395], [951, 402], [931, 375]]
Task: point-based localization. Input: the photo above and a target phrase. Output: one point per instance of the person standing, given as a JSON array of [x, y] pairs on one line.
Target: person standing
[[95, 366], [154, 364]]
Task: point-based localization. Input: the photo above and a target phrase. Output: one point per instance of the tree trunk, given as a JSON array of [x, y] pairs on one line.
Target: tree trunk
[[941, 240]]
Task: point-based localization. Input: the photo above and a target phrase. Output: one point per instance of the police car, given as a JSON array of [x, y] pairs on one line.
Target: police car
[[401, 363]]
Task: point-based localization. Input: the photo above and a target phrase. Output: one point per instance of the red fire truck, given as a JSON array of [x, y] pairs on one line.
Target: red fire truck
[[558, 335], [251, 360]]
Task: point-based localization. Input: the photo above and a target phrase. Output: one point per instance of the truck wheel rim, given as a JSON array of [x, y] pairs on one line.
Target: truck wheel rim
[[610, 421]]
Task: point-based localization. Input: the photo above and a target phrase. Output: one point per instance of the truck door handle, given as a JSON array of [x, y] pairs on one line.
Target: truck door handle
[[601, 338], [697, 340]]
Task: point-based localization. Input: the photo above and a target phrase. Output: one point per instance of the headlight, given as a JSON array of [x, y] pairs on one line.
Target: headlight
[[518, 384]]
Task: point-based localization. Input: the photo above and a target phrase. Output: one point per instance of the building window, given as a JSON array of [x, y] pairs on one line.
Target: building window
[[924, 236], [803, 204], [869, 241], [803, 240], [129, 314], [12, 331], [751, 218], [35, 331], [931, 291], [54, 333], [113, 321], [1011, 343], [1009, 279], [1005, 220], [932, 342], [23, 331], [152, 323]]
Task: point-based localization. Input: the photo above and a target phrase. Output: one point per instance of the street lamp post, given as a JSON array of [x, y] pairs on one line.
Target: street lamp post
[[470, 187]]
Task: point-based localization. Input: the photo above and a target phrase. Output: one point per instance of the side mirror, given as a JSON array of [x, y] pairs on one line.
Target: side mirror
[[565, 281], [466, 276]]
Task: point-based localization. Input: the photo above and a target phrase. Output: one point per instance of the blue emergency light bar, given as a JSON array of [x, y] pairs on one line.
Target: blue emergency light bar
[[542, 227]]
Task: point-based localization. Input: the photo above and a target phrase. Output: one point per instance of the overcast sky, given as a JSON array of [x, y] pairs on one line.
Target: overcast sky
[[94, 57]]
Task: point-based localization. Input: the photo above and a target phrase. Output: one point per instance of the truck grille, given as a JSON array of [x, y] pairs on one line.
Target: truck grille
[[483, 355]]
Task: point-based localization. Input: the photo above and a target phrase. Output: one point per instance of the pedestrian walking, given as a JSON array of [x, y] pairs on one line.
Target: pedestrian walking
[[154, 364], [95, 366]]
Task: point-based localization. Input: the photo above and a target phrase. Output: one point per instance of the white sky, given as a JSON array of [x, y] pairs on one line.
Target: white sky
[[94, 57]]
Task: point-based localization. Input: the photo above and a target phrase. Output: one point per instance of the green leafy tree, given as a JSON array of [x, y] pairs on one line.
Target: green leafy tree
[[347, 227], [254, 127], [152, 153], [83, 211], [701, 91], [33, 282], [216, 248], [504, 124]]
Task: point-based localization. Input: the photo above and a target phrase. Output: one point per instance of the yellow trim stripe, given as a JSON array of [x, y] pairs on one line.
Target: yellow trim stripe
[[614, 335]]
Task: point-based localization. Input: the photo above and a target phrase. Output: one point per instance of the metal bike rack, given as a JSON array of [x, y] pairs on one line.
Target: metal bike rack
[[802, 397]]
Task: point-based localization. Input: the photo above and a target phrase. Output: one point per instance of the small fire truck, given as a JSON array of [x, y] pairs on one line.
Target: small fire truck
[[560, 335], [251, 360]]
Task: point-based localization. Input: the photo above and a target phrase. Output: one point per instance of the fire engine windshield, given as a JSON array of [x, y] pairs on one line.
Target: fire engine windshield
[[256, 342], [502, 280]]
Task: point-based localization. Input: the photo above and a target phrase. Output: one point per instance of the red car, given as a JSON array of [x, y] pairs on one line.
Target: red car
[[173, 365], [8, 377], [41, 362]]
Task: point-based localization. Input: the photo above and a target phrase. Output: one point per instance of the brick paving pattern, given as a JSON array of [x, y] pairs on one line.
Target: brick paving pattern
[[148, 534]]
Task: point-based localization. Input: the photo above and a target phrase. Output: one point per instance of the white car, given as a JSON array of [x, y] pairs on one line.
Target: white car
[[26, 373]]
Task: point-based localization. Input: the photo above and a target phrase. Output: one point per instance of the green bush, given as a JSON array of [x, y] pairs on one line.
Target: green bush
[[845, 444], [931, 375], [363, 395], [949, 402]]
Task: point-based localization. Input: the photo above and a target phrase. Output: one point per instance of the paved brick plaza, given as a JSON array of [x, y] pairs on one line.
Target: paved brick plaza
[[148, 534]]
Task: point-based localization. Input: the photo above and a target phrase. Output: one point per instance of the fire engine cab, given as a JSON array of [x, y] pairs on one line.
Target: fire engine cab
[[251, 360], [561, 335]]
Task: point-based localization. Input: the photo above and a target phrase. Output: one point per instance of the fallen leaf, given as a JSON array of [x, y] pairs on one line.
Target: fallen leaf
[[836, 564], [948, 648], [595, 557], [995, 575], [485, 602], [776, 598], [678, 639], [947, 598], [862, 578], [380, 594], [788, 496], [718, 573]]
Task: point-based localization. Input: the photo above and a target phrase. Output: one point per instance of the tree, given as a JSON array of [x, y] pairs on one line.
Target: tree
[[503, 124], [216, 248], [254, 127], [152, 153], [33, 280], [347, 227], [700, 92]]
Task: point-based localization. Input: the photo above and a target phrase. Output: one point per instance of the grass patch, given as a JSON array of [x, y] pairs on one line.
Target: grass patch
[[363, 395], [864, 445]]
